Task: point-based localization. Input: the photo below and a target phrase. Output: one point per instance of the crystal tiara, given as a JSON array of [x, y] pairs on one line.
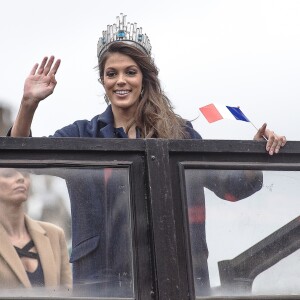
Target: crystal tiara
[[128, 33]]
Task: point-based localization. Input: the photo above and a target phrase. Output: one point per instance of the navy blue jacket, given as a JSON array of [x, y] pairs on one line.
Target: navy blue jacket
[[94, 256]]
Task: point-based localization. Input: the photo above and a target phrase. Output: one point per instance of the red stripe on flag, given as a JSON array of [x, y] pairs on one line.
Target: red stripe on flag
[[211, 113]]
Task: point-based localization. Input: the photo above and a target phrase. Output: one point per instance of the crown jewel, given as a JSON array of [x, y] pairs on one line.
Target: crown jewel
[[123, 32]]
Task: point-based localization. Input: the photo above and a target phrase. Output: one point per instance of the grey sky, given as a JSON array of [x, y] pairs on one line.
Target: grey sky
[[233, 52]]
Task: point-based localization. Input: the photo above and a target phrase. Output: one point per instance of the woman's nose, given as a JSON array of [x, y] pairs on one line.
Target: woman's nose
[[20, 178], [121, 80]]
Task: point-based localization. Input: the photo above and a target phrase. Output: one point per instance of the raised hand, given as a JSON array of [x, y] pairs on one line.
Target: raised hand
[[38, 85], [274, 142], [41, 81]]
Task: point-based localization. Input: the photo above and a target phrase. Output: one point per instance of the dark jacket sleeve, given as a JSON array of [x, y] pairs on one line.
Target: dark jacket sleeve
[[231, 185], [9, 132], [80, 128]]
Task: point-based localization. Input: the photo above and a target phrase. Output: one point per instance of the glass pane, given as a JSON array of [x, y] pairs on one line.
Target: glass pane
[[256, 205], [92, 207], [282, 278]]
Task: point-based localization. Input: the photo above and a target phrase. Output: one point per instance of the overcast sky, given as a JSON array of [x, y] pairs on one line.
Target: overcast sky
[[232, 52]]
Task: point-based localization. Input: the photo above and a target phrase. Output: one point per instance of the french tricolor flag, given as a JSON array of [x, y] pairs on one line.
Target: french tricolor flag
[[216, 112]]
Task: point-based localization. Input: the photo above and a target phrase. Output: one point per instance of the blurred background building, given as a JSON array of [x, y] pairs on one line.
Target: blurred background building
[[5, 118]]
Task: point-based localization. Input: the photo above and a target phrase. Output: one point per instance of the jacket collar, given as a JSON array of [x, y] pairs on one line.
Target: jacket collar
[[11, 257], [44, 249], [106, 124]]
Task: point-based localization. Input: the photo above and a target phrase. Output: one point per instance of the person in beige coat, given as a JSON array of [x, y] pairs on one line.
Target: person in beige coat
[[32, 253]]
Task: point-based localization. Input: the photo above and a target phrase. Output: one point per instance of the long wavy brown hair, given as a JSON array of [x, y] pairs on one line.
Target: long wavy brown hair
[[154, 116]]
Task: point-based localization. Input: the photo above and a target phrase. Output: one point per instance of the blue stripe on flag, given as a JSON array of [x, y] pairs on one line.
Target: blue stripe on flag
[[237, 113]]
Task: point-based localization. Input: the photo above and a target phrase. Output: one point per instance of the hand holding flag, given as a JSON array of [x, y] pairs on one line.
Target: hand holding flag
[[216, 112]]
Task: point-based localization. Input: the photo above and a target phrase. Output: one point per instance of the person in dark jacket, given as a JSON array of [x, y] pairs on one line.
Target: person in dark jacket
[[137, 108]]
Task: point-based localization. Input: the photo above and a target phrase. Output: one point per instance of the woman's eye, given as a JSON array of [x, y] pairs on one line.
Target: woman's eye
[[110, 74], [8, 173], [131, 72]]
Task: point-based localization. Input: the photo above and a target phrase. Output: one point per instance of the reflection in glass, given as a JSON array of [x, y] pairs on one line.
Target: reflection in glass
[[282, 278], [101, 231], [98, 201], [33, 254], [231, 227]]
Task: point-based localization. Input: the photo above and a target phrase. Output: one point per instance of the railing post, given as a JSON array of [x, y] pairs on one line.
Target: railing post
[[162, 221]]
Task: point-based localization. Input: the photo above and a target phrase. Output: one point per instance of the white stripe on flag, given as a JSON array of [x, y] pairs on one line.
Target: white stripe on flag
[[224, 111]]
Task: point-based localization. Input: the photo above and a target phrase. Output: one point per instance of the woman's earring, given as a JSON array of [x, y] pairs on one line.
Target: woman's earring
[[106, 99], [142, 92]]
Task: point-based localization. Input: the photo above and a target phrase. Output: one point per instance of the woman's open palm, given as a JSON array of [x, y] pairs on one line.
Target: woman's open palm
[[41, 81]]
